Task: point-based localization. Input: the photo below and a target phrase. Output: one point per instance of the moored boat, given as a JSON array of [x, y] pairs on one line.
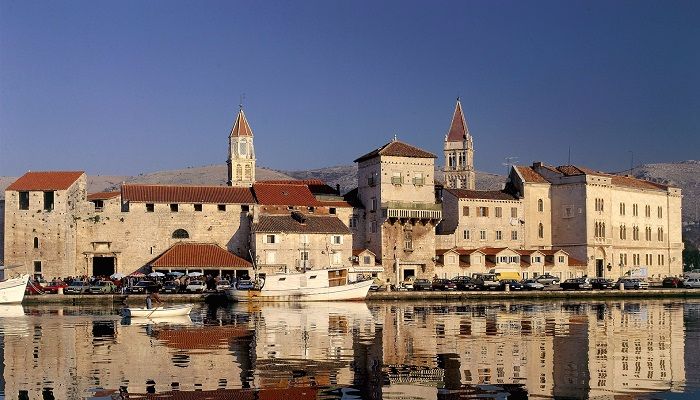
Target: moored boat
[[12, 289], [330, 284], [158, 312]]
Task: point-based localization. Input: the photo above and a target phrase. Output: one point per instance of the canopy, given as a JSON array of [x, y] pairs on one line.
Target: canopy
[[156, 274], [117, 275], [195, 273], [176, 273]]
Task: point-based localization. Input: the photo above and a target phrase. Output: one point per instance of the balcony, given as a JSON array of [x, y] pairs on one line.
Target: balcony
[[412, 210]]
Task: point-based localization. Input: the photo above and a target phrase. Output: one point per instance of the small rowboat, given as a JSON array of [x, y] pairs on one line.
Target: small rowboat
[[158, 312]]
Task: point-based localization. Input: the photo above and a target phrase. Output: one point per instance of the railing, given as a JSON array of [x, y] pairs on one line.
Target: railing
[[398, 209]]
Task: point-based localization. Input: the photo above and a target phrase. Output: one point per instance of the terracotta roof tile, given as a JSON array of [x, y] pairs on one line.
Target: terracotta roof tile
[[530, 175], [273, 194], [103, 195], [397, 148], [187, 194], [311, 224], [617, 180], [482, 194], [198, 255], [45, 180], [458, 128], [574, 262]]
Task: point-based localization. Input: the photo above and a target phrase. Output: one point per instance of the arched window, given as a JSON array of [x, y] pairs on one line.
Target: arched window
[[181, 234], [540, 230], [36, 242], [239, 173], [247, 176], [540, 205]]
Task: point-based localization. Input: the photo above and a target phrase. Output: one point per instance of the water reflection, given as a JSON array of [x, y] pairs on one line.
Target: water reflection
[[354, 350]]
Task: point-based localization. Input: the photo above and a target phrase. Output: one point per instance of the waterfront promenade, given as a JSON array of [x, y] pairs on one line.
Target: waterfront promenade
[[132, 299]]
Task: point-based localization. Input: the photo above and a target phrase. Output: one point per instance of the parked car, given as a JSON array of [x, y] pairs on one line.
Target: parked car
[[602, 283], [464, 283], [77, 287], [691, 283], [103, 287], [54, 287], [223, 285], [422, 284], [548, 279], [171, 287], [443, 284], [531, 284], [632, 283], [485, 281], [196, 287], [244, 284], [34, 287], [145, 286], [672, 282], [512, 284], [576, 284]]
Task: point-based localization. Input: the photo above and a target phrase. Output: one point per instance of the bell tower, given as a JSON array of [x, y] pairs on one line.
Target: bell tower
[[241, 153], [459, 153]]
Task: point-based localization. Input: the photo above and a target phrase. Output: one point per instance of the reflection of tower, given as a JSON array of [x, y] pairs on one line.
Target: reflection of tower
[[571, 372], [449, 362], [241, 154], [243, 349], [368, 364]]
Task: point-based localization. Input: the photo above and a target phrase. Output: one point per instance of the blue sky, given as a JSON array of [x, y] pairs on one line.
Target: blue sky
[[137, 86]]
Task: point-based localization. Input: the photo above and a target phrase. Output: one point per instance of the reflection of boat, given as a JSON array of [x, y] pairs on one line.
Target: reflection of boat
[[12, 290], [11, 311], [176, 320], [158, 312], [312, 285]]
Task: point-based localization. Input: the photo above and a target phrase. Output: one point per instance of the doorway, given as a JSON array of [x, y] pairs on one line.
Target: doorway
[[599, 268], [102, 266], [409, 273]]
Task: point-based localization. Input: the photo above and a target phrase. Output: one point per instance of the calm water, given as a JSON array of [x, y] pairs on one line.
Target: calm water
[[642, 349]]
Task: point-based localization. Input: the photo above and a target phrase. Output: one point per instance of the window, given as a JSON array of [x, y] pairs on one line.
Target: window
[[635, 260], [239, 173], [465, 234], [465, 211], [647, 235], [246, 208], [37, 267], [330, 210], [373, 227], [635, 233], [373, 204], [36, 242], [540, 205], [99, 204], [514, 212], [660, 212], [622, 208], [371, 181], [537, 259], [499, 235], [623, 259], [408, 240], [353, 221], [418, 179], [482, 211], [242, 148], [337, 239], [367, 260], [24, 200], [125, 207], [647, 211], [540, 231], [623, 232], [568, 211], [499, 212], [599, 205], [648, 259], [661, 259], [150, 207], [304, 257], [197, 207], [221, 207], [513, 235], [396, 178], [173, 208], [635, 210], [270, 239], [482, 234], [660, 234], [48, 201], [181, 234], [561, 259]]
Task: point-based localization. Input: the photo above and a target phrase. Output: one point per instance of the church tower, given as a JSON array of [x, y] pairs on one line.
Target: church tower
[[459, 153], [241, 154]]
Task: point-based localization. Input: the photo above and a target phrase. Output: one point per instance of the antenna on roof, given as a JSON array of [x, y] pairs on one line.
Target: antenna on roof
[[509, 161], [395, 138]]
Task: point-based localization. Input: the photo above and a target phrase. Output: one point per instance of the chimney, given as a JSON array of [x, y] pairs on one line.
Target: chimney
[[337, 188], [537, 164], [299, 217]]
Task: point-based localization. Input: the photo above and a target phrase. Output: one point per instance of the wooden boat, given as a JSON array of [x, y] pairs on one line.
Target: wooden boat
[[12, 289], [158, 312], [329, 284]]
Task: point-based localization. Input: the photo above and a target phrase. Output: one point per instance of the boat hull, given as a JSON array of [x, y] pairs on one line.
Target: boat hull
[[158, 312], [351, 291], [12, 290]]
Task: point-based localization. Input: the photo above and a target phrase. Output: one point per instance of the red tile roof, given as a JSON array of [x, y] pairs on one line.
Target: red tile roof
[[492, 251], [45, 180], [311, 224], [103, 195], [482, 194], [198, 255], [458, 129], [273, 194], [530, 175], [241, 127], [397, 148], [574, 262], [205, 338], [187, 194], [619, 180], [357, 252]]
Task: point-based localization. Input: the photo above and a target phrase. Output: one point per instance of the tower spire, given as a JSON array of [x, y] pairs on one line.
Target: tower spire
[[459, 152], [459, 130], [241, 153]]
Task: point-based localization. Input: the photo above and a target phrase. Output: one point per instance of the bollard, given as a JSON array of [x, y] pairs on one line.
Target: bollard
[[507, 287], [60, 290], [622, 286]]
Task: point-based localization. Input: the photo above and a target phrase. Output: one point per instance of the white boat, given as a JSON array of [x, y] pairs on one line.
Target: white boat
[[12, 289], [158, 312], [314, 285]]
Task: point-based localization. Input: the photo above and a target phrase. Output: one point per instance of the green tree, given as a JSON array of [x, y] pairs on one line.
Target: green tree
[[691, 256]]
